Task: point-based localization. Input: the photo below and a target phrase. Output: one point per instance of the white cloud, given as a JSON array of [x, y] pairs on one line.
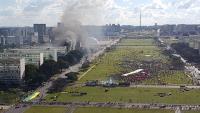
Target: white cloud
[[27, 12]]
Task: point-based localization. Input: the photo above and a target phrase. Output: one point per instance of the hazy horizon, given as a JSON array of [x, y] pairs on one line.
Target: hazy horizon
[[99, 12]]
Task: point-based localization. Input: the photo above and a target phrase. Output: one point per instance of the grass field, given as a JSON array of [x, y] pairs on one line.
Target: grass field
[[8, 97], [137, 42], [109, 64], [143, 95], [43, 109], [114, 110]]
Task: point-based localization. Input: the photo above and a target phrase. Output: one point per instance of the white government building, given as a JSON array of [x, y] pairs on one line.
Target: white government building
[[12, 70], [30, 58], [47, 53], [13, 61]]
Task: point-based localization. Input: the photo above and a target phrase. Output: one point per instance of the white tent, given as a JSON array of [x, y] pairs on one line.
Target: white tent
[[134, 72]]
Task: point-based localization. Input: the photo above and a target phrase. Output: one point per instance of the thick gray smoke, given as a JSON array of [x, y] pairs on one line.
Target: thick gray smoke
[[77, 14]]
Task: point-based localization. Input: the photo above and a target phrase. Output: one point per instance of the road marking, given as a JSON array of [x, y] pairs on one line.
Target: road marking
[[86, 72]]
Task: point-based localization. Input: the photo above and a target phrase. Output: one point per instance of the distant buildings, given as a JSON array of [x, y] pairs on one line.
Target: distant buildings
[[179, 30], [11, 36], [19, 36], [41, 30], [112, 30], [46, 39], [11, 40], [2, 40], [12, 70], [33, 39], [167, 30], [14, 40]]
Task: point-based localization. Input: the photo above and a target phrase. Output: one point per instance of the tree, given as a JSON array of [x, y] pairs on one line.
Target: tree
[[73, 57], [49, 68], [32, 75], [177, 63], [58, 85], [30, 72], [73, 76], [190, 54], [62, 64]]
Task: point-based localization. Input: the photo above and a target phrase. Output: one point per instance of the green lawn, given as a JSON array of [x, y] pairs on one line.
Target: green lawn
[[137, 42], [143, 95], [7, 97], [115, 110], [44, 109], [110, 63]]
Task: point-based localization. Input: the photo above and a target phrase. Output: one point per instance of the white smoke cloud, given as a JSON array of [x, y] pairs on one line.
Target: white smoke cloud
[[78, 13], [87, 11]]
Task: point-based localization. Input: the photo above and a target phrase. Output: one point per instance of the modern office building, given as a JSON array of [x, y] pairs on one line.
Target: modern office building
[[2, 40], [41, 30], [112, 30], [47, 52], [12, 70], [14, 40], [60, 50], [30, 58], [46, 39], [34, 38]]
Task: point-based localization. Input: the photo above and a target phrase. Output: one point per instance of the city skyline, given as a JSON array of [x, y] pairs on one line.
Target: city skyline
[[126, 12]]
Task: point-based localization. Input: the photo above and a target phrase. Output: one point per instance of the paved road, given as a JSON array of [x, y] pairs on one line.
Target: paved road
[[118, 105], [18, 108], [86, 72], [164, 86]]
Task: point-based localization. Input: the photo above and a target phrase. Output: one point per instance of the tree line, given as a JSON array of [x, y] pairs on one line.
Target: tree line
[[59, 84], [35, 76], [190, 54]]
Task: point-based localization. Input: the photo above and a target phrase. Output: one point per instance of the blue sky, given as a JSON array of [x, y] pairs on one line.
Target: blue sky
[[27, 12]]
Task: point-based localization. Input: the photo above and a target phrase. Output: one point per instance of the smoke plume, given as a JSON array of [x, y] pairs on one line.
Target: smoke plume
[[77, 14]]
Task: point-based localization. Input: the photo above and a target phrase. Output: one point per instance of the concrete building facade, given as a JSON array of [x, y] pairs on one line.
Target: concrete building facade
[[30, 58], [12, 70], [41, 30], [47, 53], [16, 40]]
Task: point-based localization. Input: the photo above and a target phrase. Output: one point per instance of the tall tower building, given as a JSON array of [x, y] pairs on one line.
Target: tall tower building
[[41, 30]]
